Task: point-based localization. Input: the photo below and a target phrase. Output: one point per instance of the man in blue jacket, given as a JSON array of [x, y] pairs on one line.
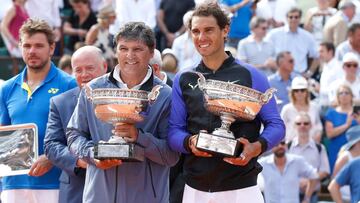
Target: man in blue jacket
[[87, 63], [112, 180], [25, 98], [213, 178]]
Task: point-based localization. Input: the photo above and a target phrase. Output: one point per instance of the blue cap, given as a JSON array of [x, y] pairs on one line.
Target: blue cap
[[353, 136]]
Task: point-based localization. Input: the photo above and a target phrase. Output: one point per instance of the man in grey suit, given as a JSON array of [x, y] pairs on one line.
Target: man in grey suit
[[87, 63]]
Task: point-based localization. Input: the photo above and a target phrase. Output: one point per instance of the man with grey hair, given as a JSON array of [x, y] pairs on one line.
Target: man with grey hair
[[183, 47], [296, 40], [88, 63], [111, 180], [335, 29], [156, 64], [255, 50]]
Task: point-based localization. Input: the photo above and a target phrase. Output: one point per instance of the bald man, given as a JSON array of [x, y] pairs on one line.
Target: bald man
[[87, 63]]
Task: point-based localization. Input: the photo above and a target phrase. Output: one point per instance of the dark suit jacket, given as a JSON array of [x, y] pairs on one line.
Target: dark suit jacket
[[71, 179], [169, 81]]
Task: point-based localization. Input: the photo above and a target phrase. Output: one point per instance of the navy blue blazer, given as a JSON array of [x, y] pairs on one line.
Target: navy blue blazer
[[72, 179]]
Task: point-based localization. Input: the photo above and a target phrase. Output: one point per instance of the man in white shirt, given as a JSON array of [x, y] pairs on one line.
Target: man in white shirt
[[282, 172], [134, 11], [274, 11], [184, 49], [298, 41], [331, 70], [255, 50], [48, 10], [314, 153]]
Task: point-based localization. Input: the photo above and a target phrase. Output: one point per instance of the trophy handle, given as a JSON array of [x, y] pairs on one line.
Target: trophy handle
[[201, 81], [265, 98], [88, 92], [153, 95]]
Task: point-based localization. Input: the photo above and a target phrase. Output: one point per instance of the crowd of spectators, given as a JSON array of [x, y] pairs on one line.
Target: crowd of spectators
[[310, 54]]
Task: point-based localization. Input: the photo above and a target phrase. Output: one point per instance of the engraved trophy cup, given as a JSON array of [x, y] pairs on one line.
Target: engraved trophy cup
[[113, 105], [230, 102]]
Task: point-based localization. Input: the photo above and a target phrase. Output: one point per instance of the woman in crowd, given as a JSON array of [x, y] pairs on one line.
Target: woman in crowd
[[300, 102], [99, 35], [79, 22], [11, 24], [337, 121]]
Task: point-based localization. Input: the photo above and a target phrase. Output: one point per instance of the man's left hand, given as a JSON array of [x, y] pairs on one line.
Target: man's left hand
[[41, 166], [250, 150], [128, 131]]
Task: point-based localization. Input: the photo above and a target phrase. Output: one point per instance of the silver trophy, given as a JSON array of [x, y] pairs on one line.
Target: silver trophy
[[113, 105], [18, 148], [230, 102]]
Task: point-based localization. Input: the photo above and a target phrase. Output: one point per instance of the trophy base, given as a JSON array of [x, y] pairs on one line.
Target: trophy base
[[218, 145], [127, 152]]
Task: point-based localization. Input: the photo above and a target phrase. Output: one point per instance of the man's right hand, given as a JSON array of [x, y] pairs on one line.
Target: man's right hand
[[107, 163], [81, 163], [194, 150]]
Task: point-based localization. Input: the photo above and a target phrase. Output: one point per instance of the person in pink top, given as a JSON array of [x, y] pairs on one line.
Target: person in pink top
[[11, 24]]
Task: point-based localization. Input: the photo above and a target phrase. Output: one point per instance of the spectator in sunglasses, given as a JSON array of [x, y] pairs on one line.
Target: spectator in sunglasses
[[302, 45], [350, 65], [282, 172], [299, 96], [255, 50], [314, 153], [337, 121]]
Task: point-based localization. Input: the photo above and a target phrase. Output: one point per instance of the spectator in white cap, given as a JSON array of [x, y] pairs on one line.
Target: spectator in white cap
[[299, 96], [350, 65], [156, 65]]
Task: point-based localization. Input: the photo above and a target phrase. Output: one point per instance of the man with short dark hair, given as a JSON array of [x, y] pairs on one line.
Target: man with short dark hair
[[282, 172], [25, 98], [331, 70], [112, 180], [215, 179], [299, 42], [352, 44], [281, 80]]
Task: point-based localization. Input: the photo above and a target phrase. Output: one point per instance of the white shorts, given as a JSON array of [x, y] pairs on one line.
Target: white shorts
[[250, 194], [29, 196]]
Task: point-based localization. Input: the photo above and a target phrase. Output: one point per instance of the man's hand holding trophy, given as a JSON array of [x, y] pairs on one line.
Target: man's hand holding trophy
[[123, 109]]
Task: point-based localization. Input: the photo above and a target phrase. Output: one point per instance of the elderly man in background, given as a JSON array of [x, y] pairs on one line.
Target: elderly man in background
[[88, 64]]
